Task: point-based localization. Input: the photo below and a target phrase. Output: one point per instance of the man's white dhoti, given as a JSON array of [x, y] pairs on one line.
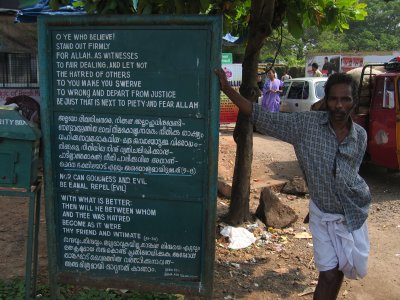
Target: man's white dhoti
[[335, 246]]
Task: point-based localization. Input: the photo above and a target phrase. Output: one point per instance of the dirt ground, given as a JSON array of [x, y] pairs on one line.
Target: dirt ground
[[279, 265]]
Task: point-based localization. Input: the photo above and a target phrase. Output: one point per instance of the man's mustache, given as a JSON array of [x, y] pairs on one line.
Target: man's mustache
[[339, 111]]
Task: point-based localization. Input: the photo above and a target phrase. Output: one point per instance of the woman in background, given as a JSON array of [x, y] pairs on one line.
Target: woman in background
[[272, 88]]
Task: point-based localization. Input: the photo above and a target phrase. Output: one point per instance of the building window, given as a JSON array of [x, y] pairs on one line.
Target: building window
[[18, 70]]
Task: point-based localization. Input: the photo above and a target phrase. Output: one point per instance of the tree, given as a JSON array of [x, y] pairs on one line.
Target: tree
[[265, 16], [380, 29], [258, 19], [378, 32]]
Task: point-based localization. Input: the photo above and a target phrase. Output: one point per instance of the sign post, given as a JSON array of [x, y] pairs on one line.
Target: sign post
[[130, 107]]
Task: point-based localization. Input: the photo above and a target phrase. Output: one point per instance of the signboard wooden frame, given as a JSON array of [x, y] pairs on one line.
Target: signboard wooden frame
[[130, 109]]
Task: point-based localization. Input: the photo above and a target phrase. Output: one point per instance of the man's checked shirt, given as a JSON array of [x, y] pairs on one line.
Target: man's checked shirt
[[330, 169]]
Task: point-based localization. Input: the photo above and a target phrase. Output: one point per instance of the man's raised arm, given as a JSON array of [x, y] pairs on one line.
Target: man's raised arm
[[244, 105]]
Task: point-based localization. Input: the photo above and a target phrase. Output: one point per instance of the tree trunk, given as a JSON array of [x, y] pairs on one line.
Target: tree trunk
[[261, 18], [239, 210]]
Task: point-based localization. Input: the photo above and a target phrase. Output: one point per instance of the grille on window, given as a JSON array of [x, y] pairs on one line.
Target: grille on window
[[18, 70]]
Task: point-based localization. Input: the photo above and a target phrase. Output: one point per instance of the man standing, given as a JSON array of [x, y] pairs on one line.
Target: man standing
[[285, 75], [329, 147], [327, 67], [316, 72]]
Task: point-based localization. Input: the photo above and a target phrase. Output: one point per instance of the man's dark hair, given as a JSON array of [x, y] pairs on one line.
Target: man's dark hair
[[314, 65], [338, 78]]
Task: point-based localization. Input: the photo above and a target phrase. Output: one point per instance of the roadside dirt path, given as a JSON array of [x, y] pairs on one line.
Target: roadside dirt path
[[283, 267]]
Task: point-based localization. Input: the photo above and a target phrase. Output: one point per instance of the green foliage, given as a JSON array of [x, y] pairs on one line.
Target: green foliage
[[55, 4], [331, 42], [102, 7], [11, 290], [236, 15], [300, 14], [324, 14], [26, 3], [310, 25], [378, 32]]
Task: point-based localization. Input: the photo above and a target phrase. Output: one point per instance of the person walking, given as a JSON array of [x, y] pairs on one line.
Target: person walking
[[329, 147], [272, 87]]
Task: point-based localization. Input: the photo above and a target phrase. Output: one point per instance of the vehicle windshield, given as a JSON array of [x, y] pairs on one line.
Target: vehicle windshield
[[299, 90]]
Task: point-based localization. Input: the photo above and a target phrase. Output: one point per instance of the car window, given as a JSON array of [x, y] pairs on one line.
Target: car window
[[286, 85], [319, 89], [306, 90], [299, 90]]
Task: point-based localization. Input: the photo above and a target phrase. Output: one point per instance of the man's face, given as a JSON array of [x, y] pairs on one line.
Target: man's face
[[340, 102]]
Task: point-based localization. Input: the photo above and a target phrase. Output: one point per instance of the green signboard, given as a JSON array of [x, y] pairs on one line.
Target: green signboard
[[227, 58], [130, 120]]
